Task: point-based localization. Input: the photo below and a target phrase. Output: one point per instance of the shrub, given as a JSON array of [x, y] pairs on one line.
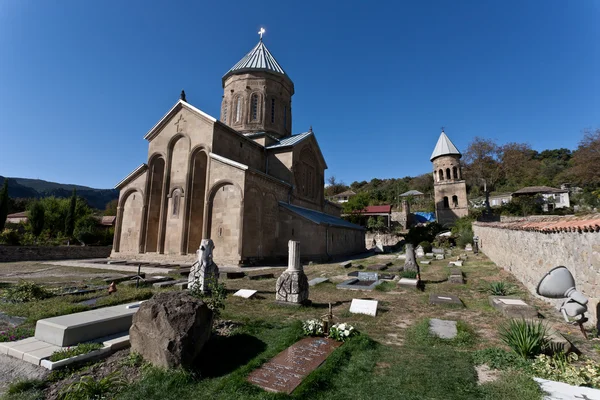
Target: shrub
[[408, 274], [313, 327], [215, 298], [342, 332], [90, 388], [81, 348], [526, 338], [18, 333], [559, 367], [10, 237], [25, 385], [426, 246], [497, 358], [463, 231], [26, 291], [499, 288]]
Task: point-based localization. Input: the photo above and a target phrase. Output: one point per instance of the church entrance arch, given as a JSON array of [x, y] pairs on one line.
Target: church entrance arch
[[224, 226], [155, 196]]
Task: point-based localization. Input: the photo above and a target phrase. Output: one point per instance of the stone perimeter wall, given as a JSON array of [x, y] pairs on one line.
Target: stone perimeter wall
[[45, 253], [530, 255]]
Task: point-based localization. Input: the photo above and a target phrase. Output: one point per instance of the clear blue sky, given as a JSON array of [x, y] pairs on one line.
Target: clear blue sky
[[81, 82]]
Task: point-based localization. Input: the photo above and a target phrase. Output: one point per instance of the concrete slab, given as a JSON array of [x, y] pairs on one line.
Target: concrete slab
[[166, 284], [116, 342], [456, 276], [562, 391], [346, 264], [181, 285], [413, 283], [442, 328], [439, 256], [265, 275], [424, 262], [68, 330], [245, 293], [316, 281], [36, 356], [19, 349], [513, 307], [445, 299]]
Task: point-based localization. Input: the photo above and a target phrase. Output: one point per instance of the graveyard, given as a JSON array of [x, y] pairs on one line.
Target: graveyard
[[414, 342]]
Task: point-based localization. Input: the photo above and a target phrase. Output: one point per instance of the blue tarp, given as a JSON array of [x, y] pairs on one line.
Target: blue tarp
[[421, 217]]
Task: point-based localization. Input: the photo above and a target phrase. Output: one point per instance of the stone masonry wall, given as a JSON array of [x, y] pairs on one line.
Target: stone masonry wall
[[530, 255], [45, 253]]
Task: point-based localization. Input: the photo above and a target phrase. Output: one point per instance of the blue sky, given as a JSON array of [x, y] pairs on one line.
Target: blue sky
[[81, 82]]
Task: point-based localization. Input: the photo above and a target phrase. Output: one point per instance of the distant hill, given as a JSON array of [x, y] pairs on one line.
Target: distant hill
[[37, 188]]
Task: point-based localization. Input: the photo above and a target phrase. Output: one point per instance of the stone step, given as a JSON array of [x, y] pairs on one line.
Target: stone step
[[165, 284], [68, 330]]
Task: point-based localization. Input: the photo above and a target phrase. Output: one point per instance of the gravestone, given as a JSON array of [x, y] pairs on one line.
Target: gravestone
[[379, 246], [368, 307], [288, 369], [439, 256], [445, 299], [368, 276], [456, 263], [513, 307], [292, 285], [419, 252], [346, 264], [245, 293], [437, 250], [316, 281], [205, 272], [413, 283], [442, 328], [411, 263], [425, 262], [456, 276], [429, 255], [468, 247]]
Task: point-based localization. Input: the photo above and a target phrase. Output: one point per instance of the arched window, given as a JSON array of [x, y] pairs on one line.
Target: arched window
[[455, 172], [238, 109], [448, 173], [176, 200], [272, 111], [446, 205], [441, 175], [254, 107], [455, 201], [224, 114]]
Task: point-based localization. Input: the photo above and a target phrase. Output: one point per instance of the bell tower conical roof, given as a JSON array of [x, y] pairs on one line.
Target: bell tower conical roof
[[444, 147], [258, 59]]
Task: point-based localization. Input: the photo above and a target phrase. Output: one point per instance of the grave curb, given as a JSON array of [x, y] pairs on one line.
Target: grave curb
[[100, 353]]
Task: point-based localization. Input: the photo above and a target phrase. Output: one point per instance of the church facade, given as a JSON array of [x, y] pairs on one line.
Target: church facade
[[243, 180]]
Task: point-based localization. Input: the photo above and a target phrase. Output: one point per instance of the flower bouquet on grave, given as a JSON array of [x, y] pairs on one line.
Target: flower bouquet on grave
[[313, 327], [342, 332]]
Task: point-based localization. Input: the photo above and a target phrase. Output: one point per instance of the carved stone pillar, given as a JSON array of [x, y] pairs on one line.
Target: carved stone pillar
[[205, 272], [292, 285]]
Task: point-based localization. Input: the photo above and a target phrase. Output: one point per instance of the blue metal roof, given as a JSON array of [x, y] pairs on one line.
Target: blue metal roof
[[259, 58], [290, 140], [320, 218]]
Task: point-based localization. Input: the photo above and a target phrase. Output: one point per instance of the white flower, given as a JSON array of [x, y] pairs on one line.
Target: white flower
[[347, 332], [342, 327]]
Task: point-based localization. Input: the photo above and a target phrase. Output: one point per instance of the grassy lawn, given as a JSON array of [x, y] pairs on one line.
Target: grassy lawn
[[394, 357]]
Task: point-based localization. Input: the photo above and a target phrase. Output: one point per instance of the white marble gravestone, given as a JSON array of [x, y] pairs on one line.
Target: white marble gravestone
[[245, 293], [368, 307]]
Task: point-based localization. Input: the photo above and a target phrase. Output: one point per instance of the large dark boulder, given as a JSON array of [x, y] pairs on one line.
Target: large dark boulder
[[170, 329]]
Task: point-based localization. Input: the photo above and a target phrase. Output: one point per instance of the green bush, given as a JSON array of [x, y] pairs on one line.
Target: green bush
[[426, 246], [499, 288], [10, 237], [81, 348], [25, 291], [215, 298], [526, 338], [408, 274], [463, 231], [497, 358], [560, 367]]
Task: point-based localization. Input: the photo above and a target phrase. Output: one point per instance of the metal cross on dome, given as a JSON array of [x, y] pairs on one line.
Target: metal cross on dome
[[261, 32]]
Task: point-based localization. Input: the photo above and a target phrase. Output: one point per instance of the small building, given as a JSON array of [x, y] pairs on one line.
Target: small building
[[375, 211], [553, 198], [342, 197], [413, 193], [17, 218]]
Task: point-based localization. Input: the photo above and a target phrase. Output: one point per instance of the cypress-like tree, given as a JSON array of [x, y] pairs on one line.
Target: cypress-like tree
[[3, 204], [36, 218], [70, 219]]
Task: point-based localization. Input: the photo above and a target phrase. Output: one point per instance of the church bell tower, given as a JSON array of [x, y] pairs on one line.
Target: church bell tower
[[257, 95], [449, 186]]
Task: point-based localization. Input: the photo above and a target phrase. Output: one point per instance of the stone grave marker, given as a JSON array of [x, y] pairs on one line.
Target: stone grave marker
[[445, 299], [377, 267], [439, 256], [469, 247], [379, 246], [414, 283], [387, 277], [513, 307], [456, 276], [425, 262], [419, 252], [368, 307], [204, 272], [456, 263], [437, 250], [288, 369], [316, 281], [245, 293], [442, 328], [429, 255], [346, 264], [292, 284], [368, 276]]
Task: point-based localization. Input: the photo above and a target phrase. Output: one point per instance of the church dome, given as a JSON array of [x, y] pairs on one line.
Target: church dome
[[258, 59]]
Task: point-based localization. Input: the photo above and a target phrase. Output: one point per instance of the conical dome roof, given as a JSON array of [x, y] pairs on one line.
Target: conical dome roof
[[258, 59], [444, 147]]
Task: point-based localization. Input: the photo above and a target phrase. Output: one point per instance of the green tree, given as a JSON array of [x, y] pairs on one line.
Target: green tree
[[36, 217], [483, 163], [376, 224], [354, 207], [86, 230], [3, 204], [70, 218], [586, 160], [111, 208]]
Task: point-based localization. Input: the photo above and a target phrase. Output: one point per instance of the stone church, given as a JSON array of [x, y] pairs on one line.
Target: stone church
[[244, 180], [450, 189]]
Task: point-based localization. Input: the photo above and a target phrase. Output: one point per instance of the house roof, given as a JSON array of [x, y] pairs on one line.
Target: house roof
[[539, 189], [318, 217], [108, 220], [444, 147], [411, 193], [378, 209], [550, 224], [258, 59], [346, 193], [22, 214]]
